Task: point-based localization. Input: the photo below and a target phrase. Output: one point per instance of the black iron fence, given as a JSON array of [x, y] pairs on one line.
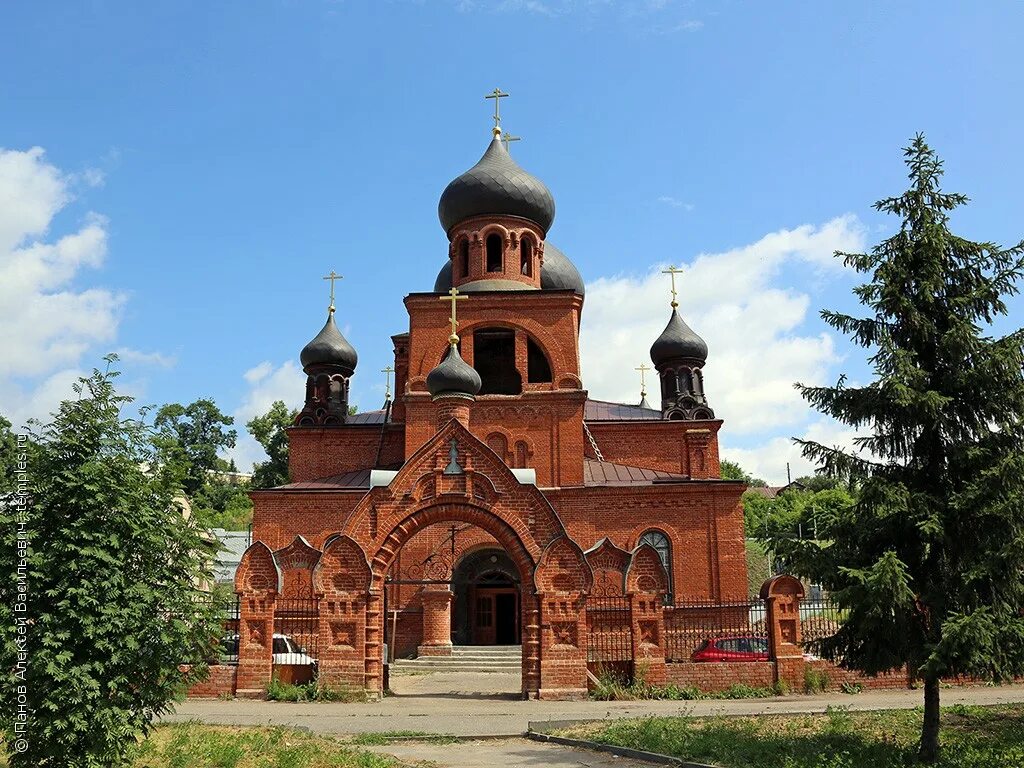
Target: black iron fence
[[225, 609], [296, 635], [819, 618], [722, 630], [609, 630]]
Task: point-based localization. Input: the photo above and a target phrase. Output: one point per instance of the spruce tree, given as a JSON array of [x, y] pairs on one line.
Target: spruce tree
[[929, 561], [109, 599]]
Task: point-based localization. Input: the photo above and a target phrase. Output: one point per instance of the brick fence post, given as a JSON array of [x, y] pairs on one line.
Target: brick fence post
[[255, 643], [647, 613], [563, 646], [782, 595]]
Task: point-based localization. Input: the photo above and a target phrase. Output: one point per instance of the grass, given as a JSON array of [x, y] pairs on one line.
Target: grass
[[193, 745], [386, 737], [972, 737], [312, 691], [611, 687]]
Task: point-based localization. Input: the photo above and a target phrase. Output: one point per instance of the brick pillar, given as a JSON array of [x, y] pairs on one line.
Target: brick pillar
[[563, 649], [531, 636], [437, 622], [374, 655], [449, 408], [255, 643], [699, 456], [342, 646], [782, 596], [647, 614]]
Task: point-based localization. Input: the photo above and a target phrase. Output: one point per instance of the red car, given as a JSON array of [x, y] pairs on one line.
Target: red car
[[733, 648]]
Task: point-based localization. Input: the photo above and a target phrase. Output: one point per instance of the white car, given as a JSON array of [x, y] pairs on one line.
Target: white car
[[287, 651]]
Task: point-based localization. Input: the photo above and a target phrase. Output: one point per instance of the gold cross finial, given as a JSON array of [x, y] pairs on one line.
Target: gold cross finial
[[332, 277], [387, 381], [673, 271], [497, 94], [453, 296], [509, 138], [644, 368]]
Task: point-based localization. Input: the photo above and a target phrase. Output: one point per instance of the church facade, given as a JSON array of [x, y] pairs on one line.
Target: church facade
[[492, 501]]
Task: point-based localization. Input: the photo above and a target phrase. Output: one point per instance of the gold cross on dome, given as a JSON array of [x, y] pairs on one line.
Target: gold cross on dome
[[387, 381], [508, 138], [497, 94], [454, 296], [673, 271], [643, 384], [332, 277]]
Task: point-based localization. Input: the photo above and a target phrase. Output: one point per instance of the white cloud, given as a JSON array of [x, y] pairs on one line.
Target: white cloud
[[155, 359], [768, 460], [750, 322], [47, 322], [266, 383], [675, 202]]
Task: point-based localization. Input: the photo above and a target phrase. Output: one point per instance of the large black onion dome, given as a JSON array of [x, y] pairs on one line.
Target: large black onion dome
[[556, 274], [496, 185], [678, 340], [453, 376], [330, 348]]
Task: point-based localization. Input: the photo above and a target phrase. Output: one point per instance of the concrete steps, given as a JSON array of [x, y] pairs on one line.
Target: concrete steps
[[466, 658]]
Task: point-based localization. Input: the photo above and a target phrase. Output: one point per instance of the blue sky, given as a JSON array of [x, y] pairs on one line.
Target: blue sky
[[203, 164]]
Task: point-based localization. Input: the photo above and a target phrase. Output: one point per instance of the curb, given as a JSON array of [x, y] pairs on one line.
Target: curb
[[655, 758]]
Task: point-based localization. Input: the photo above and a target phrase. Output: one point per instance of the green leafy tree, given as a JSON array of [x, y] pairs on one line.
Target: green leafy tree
[[112, 567], [190, 437], [928, 561], [223, 503], [8, 457], [730, 470], [269, 430]]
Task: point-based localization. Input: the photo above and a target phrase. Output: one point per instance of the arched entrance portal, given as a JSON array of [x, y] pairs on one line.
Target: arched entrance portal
[[486, 599], [495, 580]]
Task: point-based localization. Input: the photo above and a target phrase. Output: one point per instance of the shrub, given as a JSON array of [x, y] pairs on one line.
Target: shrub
[[815, 680]]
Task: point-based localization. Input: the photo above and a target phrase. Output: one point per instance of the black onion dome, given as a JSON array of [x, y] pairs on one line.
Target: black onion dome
[[496, 185], [330, 348], [453, 376], [678, 340], [556, 274]]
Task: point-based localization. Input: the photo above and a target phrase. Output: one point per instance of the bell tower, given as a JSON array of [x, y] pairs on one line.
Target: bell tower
[[329, 362], [679, 355]]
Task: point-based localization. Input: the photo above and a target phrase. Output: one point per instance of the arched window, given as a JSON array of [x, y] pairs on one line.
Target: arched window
[[685, 381], [538, 369], [464, 258], [494, 357], [494, 249], [669, 384], [526, 257], [659, 540]]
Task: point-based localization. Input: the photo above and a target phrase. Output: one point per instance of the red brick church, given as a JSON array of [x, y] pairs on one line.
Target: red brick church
[[492, 501]]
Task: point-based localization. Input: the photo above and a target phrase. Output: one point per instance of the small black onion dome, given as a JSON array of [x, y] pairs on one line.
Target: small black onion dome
[[330, 348], [453, 376], [678, 340], [556, 274], [496, 185]]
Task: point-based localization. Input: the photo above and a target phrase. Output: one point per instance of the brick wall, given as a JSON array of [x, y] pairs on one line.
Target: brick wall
[[219, 681], [712, 677]]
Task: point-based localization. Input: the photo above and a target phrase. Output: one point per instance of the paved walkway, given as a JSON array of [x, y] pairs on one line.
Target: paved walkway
[[507, 753], [422, 708]]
